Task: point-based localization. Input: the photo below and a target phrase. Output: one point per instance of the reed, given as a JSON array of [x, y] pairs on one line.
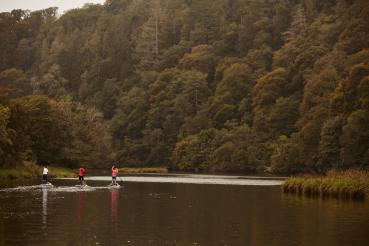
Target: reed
[[349, 184]]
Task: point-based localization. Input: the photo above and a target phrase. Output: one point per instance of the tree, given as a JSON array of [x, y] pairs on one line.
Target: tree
[[201, 58], [235, 86], [14, 83], [355, 140], [329, 146], [298, 25], [52, 84], [147, 44], [283, 115], [265, 94], [29, 118], [6, 140], [194, 152], [286, 156], [204, 20]]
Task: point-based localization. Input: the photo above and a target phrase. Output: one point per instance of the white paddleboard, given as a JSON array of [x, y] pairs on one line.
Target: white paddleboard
[[114, 186]]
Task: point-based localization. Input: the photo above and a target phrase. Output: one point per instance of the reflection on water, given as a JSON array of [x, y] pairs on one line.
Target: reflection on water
[[81, 205], [114, 204], [177, 214], [44, 206]]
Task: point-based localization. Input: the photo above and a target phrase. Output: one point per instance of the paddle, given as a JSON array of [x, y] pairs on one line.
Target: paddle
[[120, 179]]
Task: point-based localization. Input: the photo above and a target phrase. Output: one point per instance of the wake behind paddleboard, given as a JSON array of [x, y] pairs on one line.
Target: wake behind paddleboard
[[82, 187], [47, 185]]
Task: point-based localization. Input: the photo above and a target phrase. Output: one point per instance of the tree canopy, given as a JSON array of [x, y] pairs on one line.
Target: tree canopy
[[280, 86]]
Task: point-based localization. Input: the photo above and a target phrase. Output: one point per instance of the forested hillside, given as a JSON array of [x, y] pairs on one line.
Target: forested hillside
[[214, 85]]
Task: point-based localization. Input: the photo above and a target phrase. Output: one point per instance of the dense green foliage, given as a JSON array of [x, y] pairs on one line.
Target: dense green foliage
[[235, 85]]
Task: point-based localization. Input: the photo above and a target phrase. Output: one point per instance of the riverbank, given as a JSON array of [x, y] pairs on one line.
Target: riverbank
[[350, 184], [32, 171], [133, 170]]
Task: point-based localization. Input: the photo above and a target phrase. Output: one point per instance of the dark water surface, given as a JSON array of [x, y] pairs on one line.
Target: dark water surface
[[150, 213]]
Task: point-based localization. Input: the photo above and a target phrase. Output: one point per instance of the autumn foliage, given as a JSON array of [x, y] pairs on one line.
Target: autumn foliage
[[252, 86]]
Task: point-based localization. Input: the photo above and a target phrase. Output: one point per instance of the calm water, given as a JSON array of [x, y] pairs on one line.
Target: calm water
[[158, 212]]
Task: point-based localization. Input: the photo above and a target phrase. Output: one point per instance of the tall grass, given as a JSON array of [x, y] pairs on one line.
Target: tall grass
[[336, 183]]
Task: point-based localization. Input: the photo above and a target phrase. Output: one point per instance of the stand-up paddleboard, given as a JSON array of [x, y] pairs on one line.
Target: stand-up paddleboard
[[117, 186], [47, 185]]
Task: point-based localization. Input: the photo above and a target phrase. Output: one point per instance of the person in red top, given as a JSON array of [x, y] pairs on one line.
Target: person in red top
[[81, 174], [114, 174]]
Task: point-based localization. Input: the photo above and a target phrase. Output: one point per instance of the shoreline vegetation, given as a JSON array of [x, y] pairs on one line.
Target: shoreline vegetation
[[30, 170], [133, 170], [349, 184]]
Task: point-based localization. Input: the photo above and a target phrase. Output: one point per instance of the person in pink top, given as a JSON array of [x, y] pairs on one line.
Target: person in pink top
[[81, 175], [114, 174]]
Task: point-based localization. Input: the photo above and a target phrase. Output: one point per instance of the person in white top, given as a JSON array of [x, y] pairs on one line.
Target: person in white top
[[45, 172]]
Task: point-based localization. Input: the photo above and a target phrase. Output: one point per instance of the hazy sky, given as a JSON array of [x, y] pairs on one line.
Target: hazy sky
[[8, 5]]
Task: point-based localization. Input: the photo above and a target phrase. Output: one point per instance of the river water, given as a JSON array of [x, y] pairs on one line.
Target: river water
[[176, 210]]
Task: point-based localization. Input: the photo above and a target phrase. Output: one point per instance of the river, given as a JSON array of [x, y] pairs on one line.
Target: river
[[176, 210]]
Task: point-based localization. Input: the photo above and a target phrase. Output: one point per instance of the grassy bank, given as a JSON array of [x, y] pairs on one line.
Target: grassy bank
[[132, 170], [352, 184], [31, 171], [62, 172]]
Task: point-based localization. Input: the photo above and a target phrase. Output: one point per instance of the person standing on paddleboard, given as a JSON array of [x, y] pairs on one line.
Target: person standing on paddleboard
[[45, 173], [81, 175], [114, 174]]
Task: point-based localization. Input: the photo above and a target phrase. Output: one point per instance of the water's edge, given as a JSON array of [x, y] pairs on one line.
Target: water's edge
[[193, 179]]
